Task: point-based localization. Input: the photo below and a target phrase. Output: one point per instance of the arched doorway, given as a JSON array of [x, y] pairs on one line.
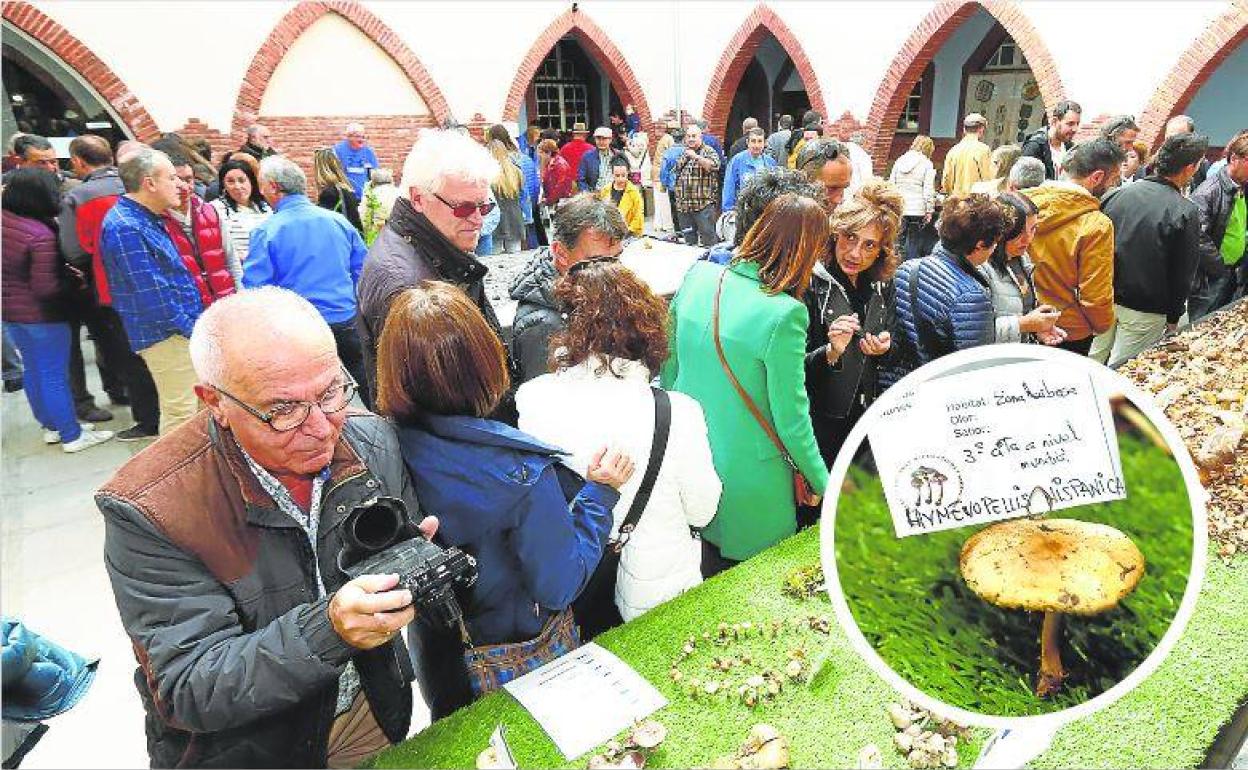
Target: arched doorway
[[1206, 83], [970, 57], [770, 87], [762, 73], [53, 85], [573, 73]]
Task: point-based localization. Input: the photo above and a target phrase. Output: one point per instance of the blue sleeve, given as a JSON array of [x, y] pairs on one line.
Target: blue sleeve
[[558, 550], [731, 181], [139, 287], [358, 252], [971, 320], [665, 171], [258, 269], [372, 157], [582, 183]]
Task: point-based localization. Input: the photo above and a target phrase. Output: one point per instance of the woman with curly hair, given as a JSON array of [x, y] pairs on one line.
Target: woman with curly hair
[[943, 303], [614, 343], [850, 304]]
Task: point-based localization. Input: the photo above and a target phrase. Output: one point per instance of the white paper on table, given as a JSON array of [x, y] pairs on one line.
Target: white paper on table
[[584, 698], [971, 448]]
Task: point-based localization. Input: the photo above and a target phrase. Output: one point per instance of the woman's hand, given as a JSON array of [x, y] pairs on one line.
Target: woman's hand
[[1054, 336], [840, 333], [610, 467], [1042, 319], [875, 345]]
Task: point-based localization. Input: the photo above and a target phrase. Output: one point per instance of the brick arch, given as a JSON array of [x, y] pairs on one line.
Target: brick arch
[[89, 67], [293, 24], [1193, 69], [922, 46], [736, 57], [598, 45]]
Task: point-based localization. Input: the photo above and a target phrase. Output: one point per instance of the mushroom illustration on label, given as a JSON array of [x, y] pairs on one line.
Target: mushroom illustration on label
[[1054, 566]]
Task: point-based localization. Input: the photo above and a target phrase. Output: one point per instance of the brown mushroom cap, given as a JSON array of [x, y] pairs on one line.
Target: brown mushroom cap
[[1051, 565]]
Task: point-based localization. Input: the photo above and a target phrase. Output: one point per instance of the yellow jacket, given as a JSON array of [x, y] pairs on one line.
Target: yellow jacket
[[631, 206], [967, 162], [1074, 257]]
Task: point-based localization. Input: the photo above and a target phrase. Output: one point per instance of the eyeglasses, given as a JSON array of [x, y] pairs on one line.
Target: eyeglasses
[[464, 210], [584, 263], [290, 415]]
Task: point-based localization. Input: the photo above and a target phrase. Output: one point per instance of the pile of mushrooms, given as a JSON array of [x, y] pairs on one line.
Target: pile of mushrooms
[[923, 739], [633, 752], [1055, 566]]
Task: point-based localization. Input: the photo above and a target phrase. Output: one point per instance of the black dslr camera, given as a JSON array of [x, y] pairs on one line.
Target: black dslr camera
[[379, 539]]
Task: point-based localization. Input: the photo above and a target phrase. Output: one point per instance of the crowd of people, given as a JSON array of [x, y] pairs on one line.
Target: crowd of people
[[240, 320]]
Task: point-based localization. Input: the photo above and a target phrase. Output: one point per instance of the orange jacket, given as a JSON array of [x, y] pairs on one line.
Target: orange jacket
[[1074, 257]]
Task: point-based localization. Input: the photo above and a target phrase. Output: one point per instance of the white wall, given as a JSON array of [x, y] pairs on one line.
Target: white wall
[[1220, 107], [187, 59], [947, 81], [335, 69], [183, 59]]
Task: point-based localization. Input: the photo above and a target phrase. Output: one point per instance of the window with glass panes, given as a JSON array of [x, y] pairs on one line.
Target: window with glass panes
[[561, 91], [909, 120]]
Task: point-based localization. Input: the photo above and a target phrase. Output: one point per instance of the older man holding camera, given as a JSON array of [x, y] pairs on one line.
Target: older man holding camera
[[255, 649]]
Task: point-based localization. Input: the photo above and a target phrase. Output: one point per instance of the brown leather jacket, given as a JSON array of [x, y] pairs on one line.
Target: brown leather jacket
[[238, 662]]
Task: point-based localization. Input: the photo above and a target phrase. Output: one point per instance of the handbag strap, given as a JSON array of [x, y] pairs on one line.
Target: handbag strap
[[658, 447], [749, 402]]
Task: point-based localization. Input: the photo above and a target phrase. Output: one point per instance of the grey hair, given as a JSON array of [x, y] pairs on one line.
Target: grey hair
[[858, 138], [441, 154], [1191, 124], [24, 142], [354, 125], [1113, 128], [380, 176], [763, 187], [749, 123], [587, 212], [283, 172], [273, 313], [139, 165], [253, 129], [1026, 173]]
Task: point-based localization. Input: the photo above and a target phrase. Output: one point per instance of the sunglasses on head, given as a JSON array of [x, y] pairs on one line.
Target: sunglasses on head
[[464, 210], [584, 263]]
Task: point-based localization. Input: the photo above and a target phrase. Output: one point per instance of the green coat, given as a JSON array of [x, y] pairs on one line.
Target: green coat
[[764, 339]]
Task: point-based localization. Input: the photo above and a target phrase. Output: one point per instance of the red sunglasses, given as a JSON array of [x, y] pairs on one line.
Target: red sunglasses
[[464, 210]]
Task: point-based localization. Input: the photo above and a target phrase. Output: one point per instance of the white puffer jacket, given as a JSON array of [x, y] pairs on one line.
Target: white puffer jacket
[[582, 411], [915, 177]]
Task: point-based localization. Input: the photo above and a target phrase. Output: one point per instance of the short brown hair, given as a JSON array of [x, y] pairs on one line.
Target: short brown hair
[[92, 150], [548, 146], [437, 355], [611, 314], [877, 202], [785, 242], [968, 220]]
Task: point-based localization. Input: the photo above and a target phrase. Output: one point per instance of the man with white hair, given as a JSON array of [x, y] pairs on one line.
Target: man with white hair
[[259, 144], [357, 158], [222, 545], [433, 228], [312, 251], [1026, 173]]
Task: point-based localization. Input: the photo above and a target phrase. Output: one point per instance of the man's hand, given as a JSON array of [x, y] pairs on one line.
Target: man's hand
[[363, 610], [1054, 336], [610, 467]]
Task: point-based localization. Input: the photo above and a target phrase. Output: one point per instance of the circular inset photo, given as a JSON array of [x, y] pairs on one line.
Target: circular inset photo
[[1018, 534]]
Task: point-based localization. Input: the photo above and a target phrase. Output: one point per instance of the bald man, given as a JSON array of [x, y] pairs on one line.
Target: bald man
[[222, 546]]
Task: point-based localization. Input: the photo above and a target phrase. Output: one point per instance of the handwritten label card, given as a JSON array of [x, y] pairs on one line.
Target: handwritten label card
[[972, 447], [585, 697]]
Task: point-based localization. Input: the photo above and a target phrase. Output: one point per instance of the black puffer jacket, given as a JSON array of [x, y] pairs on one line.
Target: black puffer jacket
[[1214, 199], [538, 316], [217, 589]]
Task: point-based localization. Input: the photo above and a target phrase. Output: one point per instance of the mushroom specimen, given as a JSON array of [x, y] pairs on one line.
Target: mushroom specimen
[[1054, 566]]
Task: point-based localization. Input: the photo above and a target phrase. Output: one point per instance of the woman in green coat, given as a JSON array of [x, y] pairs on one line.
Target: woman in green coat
[[762, 328]]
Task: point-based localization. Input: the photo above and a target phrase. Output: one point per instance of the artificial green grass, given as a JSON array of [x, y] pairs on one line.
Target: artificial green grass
[[827, 722], [912, 606]]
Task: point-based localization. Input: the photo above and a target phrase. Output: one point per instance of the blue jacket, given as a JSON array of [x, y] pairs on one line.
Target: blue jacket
[[357, 164], [719, 254], [496, 496], [152, 290], [532, 188], [954, 309], [314, 252], [740, 168], [588, 170], [667, 171], [716, 145], [41, 678]]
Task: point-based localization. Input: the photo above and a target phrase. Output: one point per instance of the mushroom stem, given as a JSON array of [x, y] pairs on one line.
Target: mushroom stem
[[1051, 671]]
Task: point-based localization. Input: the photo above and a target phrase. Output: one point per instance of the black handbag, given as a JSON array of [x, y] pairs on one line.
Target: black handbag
[[595, 609]]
